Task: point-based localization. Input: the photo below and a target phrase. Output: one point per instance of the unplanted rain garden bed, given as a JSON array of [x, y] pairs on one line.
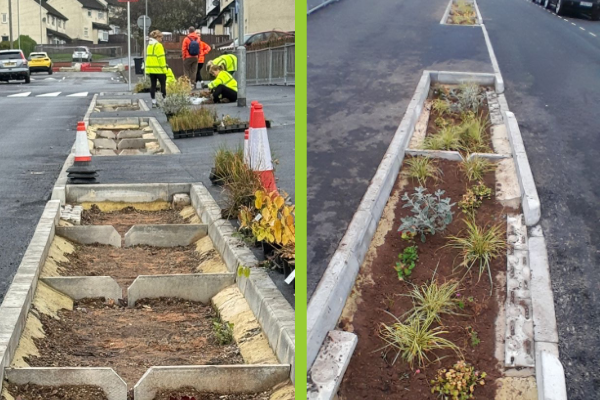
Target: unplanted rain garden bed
[[126, 140], [423, 303], [38, 392], [111, 105], [459, 119]]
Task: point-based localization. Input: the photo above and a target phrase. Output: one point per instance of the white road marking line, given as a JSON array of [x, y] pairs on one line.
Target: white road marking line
[[54, 94], [573, 23], [24, 94], [82, 94], [583, 29], [594, 35]]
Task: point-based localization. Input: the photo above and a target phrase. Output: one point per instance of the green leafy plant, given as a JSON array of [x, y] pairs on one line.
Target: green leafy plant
[[414, 340], [447, 138], [473, 135], [458, 382], [431, 300], [225, 160], [174, 103], [474, 197], [431, 213], [199, 118], [470, 97], [423, 168], [441, 122], [228, 120], [441, 106], [181, 86], [479, 245], [408, 259], [474, 337], [240, 185], [223, 331], [476, 167]]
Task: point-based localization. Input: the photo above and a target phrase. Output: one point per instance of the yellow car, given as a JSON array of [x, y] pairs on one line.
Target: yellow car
[[40, 61]]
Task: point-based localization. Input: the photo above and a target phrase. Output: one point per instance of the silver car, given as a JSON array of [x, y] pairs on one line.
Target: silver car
[[13, 66], [82, 54]]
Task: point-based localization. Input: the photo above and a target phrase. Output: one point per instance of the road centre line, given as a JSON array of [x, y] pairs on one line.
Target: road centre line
[[593, 34], [582, 28]]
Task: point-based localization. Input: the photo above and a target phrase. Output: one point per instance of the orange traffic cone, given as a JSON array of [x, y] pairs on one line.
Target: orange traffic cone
[[82, 171], [260, 151]]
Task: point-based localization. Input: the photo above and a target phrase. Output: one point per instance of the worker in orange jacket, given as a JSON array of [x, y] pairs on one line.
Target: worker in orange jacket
[[190, 51], [204, 50]]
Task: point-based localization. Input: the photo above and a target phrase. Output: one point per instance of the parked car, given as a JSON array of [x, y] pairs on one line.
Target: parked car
[[40, 61], [562, 6], [254, 38], [82, 54], [13, 66]]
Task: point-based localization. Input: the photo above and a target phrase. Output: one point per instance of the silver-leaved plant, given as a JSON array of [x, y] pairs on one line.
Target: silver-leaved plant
[[431, 213]]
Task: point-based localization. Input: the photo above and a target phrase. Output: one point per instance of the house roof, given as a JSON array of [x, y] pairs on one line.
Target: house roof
[[58, 34], [115, 3], [97, 25], [53, 11], [214, 11], [92, 4]]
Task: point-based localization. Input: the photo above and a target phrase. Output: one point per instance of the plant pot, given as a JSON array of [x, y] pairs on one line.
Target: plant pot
[[232, 128], [214, 178], [204, 132], [289, 265], [182, 134], [269, 249]]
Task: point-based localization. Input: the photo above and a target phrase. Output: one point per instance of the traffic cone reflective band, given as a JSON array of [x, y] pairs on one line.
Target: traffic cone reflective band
[[247, 147], [82, 150], [82, 171], [260, 151]]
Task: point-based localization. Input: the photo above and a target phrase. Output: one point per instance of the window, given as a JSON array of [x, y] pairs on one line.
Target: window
[[89, 13], [53, 21], [86, 32], [105, 36], [59, 23], [5, 38], [4, 18], [100, 15]]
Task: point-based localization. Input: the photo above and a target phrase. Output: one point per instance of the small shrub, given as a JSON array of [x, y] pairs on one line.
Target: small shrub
[[414, 340], [181, 86], [223, 331], [224, 162], [423, 168], [441, 106], [229, 120], [479, 245], [431, 213], [432, 300], [474, 337], [174, 103], [408, 259], [469, 97], [447, 138], [474, 197], [459, 382], [239, 188], [475, 168], [193, 119], [143, 84]]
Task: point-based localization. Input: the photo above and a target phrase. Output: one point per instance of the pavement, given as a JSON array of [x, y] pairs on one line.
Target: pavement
[[37, 134], [361, 79], [550, 66]]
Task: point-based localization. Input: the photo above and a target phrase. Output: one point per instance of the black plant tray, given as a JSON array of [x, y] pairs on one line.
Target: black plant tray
[[193, 133], [214, 178], [232, 128]]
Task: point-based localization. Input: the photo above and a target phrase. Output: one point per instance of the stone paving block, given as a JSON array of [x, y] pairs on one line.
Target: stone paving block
[[181, 200], [165, 235], [130, 134], [131, 144], [105, 144], [103, 134]]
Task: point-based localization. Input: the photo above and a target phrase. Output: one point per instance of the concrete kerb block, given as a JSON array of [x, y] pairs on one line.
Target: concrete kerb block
[[529, 195], [130, 134], [220, 379], [456, 78], [138, 144], [59, 189], [114, 102], [165, 235], [143, 106], [135, 193], [328, 370], [192, 287], [550, 377], [113, 386], [544, 317], [85, 287], [443, 154], [165, 141], [499, 83], [124, 121], [90, 234]]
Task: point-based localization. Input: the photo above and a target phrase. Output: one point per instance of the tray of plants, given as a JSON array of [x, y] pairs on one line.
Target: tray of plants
[[193, 123], [230, 124]]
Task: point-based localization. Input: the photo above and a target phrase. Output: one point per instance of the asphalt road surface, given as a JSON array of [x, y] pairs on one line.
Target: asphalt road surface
[[36, 134], [551, 68], [364, 62]]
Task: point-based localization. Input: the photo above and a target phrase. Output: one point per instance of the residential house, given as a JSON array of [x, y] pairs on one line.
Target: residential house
[[259, 16], [88, 19], [36, 19]]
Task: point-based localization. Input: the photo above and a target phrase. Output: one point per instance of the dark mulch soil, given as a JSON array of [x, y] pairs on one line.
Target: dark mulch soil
[[125, 264], [124, 219], [370, 374], [35, 392], [131, 340], [432, 128], [193, 394]]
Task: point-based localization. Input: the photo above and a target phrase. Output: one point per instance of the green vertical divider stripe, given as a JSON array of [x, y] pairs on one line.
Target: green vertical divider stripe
[[301, 170]]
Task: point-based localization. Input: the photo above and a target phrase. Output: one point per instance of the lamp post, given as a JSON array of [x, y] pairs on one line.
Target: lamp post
[[10, 22], [41, 32], [19, 22]]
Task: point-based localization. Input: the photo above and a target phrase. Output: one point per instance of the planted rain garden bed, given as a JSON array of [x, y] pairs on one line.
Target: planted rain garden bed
[[164, 322], [462, 12], [380, 296]]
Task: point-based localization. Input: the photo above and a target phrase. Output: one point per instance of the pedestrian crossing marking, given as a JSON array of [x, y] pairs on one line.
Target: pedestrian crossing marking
[[24, 94], [82, 94], [54, 94]]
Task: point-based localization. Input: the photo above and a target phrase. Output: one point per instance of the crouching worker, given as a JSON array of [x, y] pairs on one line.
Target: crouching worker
[[224, 86]]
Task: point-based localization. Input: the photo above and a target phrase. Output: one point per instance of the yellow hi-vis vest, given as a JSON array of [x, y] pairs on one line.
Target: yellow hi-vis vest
[[156, 62], [224, 78], [228, 61]]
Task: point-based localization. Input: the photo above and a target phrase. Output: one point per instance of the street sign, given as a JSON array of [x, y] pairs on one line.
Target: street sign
[[140, 22]]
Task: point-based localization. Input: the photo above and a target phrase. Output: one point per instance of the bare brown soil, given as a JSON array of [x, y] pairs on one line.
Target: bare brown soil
[[35, 392], [370, 374], [124, 219], [125, 264], [131, 340], [193, 394]]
